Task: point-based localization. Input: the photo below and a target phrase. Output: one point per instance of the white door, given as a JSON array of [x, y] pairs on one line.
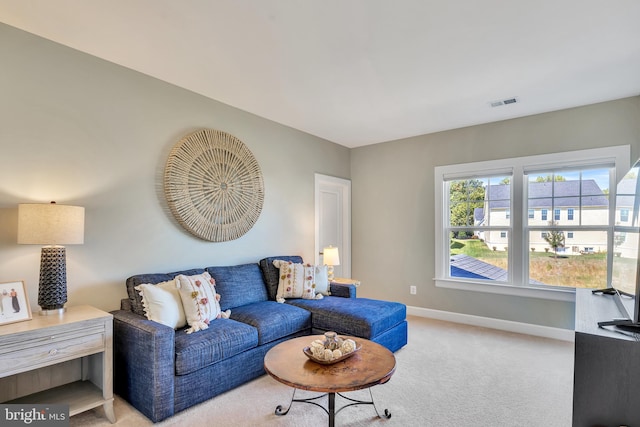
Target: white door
[[333, 220]]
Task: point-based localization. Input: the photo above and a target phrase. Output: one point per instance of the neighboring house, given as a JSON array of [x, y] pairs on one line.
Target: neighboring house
[[625, 240], [564, 203]]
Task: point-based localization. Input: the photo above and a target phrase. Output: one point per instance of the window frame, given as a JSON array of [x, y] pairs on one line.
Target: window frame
[[617, 156]]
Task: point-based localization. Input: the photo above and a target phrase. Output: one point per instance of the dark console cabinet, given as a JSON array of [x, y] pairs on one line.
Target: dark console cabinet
[[606, 384]]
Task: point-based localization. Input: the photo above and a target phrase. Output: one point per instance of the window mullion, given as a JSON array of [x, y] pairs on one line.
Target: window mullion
[[517, 242]]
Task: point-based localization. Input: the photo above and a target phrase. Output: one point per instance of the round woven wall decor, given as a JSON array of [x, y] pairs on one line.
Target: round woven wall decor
[[213, 185]]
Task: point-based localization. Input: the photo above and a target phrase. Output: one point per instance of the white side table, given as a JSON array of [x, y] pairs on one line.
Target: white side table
[[61, 359]]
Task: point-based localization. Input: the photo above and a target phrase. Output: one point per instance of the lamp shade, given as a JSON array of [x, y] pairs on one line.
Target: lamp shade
[[50, 224], [331, 256]]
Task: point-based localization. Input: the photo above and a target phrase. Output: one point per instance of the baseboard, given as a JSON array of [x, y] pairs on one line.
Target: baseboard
[[487, 322]]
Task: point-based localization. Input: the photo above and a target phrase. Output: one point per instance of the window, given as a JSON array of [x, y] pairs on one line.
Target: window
[[478, 216], [624, 215], [487, 232]]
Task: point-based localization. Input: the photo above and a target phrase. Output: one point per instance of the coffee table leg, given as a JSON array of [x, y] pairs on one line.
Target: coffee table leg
[[332, 409], [355, 402], [387, 414], [280, 411]]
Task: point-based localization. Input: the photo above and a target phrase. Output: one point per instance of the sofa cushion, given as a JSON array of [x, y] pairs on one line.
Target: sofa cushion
[[360, 317], [153, 278], [272, 320], [162, 303], [271, 274], [238, 285], [223, 339], [199, 299]]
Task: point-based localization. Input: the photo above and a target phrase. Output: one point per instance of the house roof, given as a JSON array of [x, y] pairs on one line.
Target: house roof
[[467, 267], [564, 193], [472, 268]]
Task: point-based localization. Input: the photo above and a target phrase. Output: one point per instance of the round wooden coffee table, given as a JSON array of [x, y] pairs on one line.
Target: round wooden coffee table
[[373, 364]]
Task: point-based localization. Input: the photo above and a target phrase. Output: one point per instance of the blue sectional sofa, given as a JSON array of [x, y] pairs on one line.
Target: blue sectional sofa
[[162, 371]]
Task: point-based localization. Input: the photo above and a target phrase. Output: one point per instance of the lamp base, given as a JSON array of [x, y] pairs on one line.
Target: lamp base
[[330, 272], [53, 312], [52, 292]]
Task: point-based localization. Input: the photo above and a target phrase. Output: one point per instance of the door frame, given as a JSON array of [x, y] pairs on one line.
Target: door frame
[[345, 251]]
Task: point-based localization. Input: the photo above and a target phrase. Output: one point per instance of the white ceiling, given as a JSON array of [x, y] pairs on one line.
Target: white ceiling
[[359, 72]]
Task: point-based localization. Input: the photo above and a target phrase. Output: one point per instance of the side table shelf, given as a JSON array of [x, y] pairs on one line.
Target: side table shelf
[[64, 359]]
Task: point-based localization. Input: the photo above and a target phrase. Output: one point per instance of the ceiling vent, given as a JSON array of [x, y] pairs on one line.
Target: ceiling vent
[[504, 102]]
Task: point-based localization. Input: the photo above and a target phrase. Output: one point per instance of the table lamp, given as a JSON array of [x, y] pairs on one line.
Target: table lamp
[[52, 225], [331, 257]]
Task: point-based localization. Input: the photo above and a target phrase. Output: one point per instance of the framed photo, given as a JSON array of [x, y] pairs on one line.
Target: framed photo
[[14, 302]]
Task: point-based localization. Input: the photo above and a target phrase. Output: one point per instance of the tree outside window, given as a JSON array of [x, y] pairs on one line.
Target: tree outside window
[[555, 239]]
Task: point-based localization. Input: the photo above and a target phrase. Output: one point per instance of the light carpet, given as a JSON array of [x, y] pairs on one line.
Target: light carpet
[[448, 375]]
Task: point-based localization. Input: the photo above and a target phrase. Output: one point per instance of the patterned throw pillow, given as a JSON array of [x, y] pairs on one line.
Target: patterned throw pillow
[[309, 285], [296, 281], [162, 303], [199, 300]]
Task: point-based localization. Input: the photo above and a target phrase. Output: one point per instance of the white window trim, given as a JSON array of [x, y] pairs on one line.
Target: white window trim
[[618, 155]]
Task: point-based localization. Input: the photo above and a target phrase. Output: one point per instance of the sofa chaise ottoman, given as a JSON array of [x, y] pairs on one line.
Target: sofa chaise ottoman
[[162, 370]]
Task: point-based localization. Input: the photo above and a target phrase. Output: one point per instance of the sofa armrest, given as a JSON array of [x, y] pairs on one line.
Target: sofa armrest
[[342, 290], [125, 304], [144, 369]]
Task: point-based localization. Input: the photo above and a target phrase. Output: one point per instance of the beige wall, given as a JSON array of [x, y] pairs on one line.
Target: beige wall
[[393, 240], [83, 131]]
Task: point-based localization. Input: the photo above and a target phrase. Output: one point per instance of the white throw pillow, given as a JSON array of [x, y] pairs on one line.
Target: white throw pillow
[[162, 303], [321, 279], [296, 281], [198, 294]]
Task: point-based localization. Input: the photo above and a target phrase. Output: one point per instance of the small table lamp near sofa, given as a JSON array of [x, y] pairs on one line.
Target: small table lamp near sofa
[[52, 225], [330, 258]]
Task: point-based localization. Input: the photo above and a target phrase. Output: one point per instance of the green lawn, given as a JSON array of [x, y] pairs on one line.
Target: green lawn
[[474, 248]]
